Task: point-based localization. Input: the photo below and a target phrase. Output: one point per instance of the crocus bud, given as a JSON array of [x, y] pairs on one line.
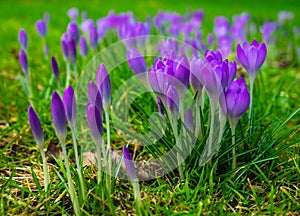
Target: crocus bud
[[136, 61], [103, 83], [237, 100], [41, 28], [69, 101], [172, 101], [36, 127], [54, 67], [94, 121], [64, 46], [83, 46], [129, 164], [93, 37], [72, 50], [23, 40], [72, 31], [189, 119], [94, 95], [58, 116], [73, 13], [23, 61], [252, 56]]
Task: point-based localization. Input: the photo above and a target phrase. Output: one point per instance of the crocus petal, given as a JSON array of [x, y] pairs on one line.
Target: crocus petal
[[23, 61], [41, 28], [189, 119], [172, 101], [242, 57], [94, 121], [54, 67], [69, 101], [58, 115], [94, 95], [23, 40], [136, 61], [129, 164], [252, 58], [36, 127], [103, 83], [83, 46], [261, 56]]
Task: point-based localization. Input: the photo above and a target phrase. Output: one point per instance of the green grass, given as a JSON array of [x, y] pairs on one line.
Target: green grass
[[267, 177]]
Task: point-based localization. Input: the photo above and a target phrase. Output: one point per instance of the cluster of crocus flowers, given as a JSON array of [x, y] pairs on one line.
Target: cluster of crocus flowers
[[99, 97], [169, 77]]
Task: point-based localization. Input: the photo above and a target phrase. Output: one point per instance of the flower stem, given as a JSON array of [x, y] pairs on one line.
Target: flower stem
[[75, 71], [45, 170], [70, 182], [108, 152], [137, 196], [211, 129], [233, 125], [251, 104], [78, 163], [68, 72]]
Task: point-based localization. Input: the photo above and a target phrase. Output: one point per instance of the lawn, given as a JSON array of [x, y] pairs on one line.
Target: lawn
[[265, 181]]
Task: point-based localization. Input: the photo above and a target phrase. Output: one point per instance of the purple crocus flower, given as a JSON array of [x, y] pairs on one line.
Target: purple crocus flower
[[189, 119], [221, 27], [41, 28], [83, 46], [73, 13], [72, 50], [94, 95], [23, 40], [236, 100], [86, 25], [103, 83], [72, 31], [69, 102], [267, 30], [58, 116], [36, 127], [172, 101], [136, 61], [252, 56], [284, 16], [93, 37], [23, 61], [129, 164], [94, 121], [55, 69]]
